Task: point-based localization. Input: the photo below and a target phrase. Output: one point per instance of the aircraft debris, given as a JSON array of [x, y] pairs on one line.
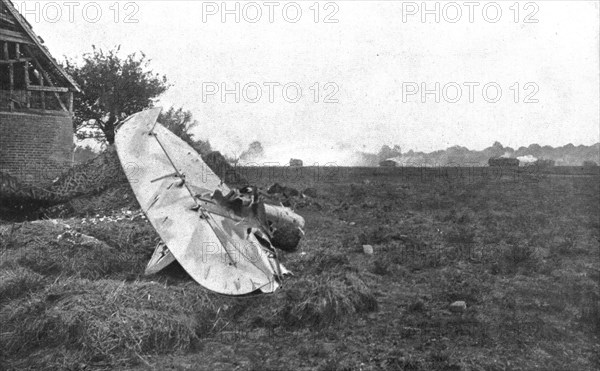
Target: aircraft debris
[[283, 190], [226, 239]]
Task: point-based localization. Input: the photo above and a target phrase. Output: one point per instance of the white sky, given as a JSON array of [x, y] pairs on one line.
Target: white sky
[[369, 53]]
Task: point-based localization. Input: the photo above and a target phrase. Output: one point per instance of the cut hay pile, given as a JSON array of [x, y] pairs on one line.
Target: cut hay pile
[[320, 301], [17, 281], [118, 323], [53, 248], [105, 321], [73, 296]]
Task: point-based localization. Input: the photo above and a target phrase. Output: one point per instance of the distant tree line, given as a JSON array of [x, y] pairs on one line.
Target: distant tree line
[[568, 155]]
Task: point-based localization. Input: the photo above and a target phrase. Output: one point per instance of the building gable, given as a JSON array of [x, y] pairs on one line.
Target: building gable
[[30, 78], [36, 104]]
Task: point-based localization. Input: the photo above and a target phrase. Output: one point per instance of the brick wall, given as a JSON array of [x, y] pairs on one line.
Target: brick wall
[[35, 148]]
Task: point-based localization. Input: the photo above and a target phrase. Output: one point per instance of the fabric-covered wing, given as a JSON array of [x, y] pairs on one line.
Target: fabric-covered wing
[[219, 252]]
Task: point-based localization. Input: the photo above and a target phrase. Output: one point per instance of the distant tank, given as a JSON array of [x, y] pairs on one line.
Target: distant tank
[[295, 162], [388, 163]]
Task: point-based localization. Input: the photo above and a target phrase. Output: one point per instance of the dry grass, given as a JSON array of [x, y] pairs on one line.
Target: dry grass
[[79, 299], [104, 321], [18, 281], [58, 249], [324, 300]]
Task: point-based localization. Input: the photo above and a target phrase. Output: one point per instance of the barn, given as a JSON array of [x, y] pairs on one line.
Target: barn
[[36, 104]]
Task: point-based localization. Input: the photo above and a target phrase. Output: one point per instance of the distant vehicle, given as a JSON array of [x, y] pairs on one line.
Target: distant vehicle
[[388, 163], [590, 164], [503, 162], [295, 162]]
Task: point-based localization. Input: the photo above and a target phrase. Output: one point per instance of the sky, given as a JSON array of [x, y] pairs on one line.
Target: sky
[[321, 81]]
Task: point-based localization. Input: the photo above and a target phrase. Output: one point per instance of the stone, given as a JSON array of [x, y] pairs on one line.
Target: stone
[[458, 306], [368, 249], [311, 192]]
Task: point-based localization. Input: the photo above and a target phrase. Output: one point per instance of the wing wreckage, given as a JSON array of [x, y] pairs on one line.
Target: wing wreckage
[[223, 238]]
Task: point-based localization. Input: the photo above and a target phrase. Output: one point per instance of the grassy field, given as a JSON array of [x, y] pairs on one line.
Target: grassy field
[[521, 249]]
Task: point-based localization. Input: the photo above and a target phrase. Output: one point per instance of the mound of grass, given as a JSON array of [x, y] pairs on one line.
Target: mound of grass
[[64, 257], [18, 235], [114, 198], [125, 235], [90, 316], [51, 248], [320, 301], [106, 320], [17, 281]]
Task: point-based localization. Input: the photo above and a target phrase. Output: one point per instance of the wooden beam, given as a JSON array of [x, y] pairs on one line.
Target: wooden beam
[[5, 32], [44, 50], [41, 77], [52, 88], [11, 79], [70, 101], [16, 40], [48, 88], [20, 60], [13, 36], [17, 51], [44, 111], [27, 93], [26, 70], [42, 94], [6, 19]]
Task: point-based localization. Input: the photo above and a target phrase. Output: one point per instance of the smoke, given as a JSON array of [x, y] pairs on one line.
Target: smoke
[[529, 159], [336, 154]]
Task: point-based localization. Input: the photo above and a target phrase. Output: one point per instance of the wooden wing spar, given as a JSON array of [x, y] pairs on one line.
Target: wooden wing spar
[[223, 243]]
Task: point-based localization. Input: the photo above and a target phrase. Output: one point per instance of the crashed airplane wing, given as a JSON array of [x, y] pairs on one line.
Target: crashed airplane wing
[[173, 185]]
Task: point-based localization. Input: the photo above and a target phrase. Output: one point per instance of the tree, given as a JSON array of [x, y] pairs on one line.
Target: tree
[[181, 122], [203, 147], [113, 88], [386, 152], [496, 150]]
